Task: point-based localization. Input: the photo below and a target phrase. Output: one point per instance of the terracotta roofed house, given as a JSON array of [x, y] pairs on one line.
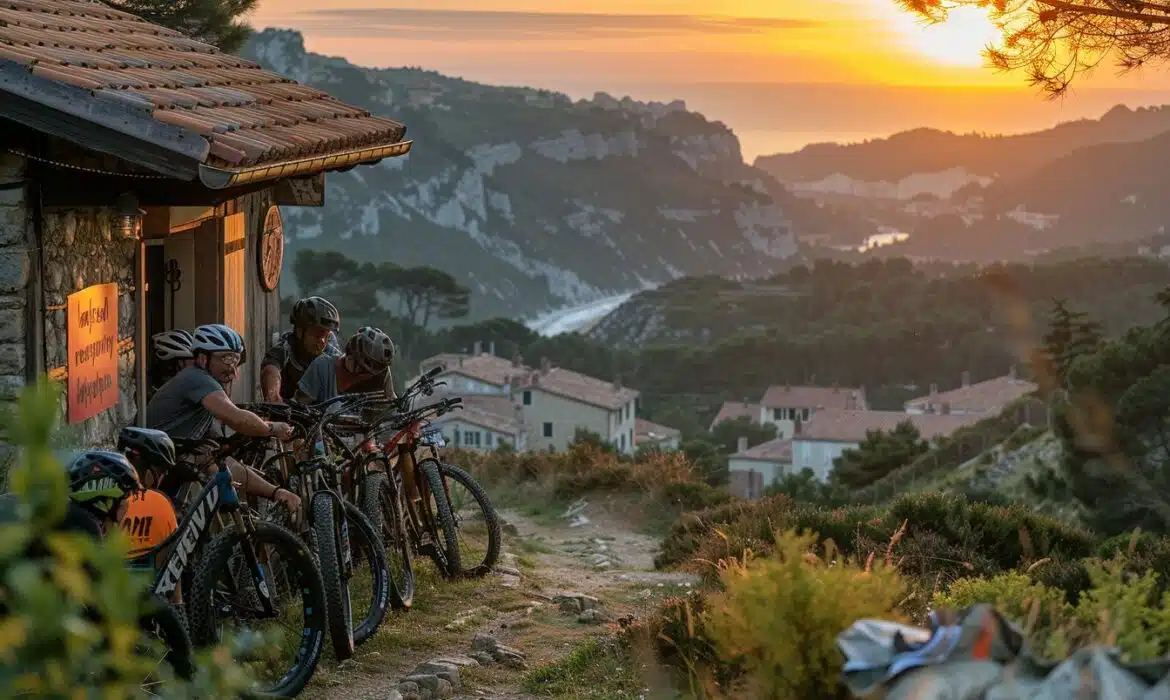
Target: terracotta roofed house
[[131, 154], [647, 434], [476, 373], [786, 406], [484, 423], [730, 410], [985, 398], [751, 470], [556, 402], [832, 431]]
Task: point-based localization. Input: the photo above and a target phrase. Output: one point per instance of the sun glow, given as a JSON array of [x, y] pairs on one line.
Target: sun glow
[[959, 41]]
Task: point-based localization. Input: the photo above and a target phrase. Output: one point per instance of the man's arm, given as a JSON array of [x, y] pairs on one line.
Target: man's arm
[[270, 383], [235, 417]]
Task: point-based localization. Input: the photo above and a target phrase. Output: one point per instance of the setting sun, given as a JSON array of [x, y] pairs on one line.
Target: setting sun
[[959, 41]]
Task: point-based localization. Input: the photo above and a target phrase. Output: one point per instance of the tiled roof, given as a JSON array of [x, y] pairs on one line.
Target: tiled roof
[[483, 419], [645, 431], [989, 396], [778, 450], [814, 397], [730, 410], [247, 115], [579, 387], [484, 367], [839, 425]]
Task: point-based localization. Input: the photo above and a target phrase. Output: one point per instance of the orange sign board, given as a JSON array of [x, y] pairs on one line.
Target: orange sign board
[[91, 338]]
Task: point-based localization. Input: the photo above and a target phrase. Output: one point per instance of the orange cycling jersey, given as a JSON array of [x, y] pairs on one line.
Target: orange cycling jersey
[[150, 519]]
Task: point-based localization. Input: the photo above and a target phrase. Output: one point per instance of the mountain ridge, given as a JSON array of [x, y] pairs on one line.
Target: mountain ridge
[[530, 198]]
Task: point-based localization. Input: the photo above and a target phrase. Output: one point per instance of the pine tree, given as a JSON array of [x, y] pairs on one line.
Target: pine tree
[[217, 22], [1070, 335]]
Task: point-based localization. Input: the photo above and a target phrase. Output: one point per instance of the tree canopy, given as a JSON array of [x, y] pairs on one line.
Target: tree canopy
[[1054, 41], [217, 22]]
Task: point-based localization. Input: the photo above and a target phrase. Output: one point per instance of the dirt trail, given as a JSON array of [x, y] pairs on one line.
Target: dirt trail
[[592, 550]]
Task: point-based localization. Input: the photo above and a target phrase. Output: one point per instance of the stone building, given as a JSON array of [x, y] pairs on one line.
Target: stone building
[[140, 177]]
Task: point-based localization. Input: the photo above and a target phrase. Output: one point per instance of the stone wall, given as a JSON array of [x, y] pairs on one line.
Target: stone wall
[[14, 272], [81, 248]]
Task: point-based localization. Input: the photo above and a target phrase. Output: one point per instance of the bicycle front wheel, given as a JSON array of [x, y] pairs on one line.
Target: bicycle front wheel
[[368, 582], [381, 505], [225, 590], [445, 535], [476, 521], [327, 539]]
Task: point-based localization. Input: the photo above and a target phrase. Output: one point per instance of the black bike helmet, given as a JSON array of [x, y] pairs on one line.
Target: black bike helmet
[[216, 337], [100, 480], [371, 349], [150, 449], [315, 312]]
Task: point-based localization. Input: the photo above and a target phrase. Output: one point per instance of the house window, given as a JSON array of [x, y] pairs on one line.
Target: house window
[[528, 398], [456, 437], [487, 439], [548, 430], [804, 414], [622, 443], [777, 414]]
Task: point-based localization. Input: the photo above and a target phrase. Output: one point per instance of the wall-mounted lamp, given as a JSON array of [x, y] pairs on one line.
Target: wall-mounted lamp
[[129, 216]]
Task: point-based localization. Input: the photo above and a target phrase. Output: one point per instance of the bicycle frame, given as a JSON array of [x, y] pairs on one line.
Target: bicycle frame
[[218, 495]]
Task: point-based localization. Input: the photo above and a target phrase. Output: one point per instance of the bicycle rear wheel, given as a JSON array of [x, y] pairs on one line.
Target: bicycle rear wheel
[[381, 505], [370, 585], [292, 579]]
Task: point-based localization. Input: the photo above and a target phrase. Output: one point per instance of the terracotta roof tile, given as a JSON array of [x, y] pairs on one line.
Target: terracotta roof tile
[[578, 387], [990, 396], [813, 397], [485, 367], [734, 409], [647, 432], [106, 51], [778, 450], [496, 413], [839, 425]]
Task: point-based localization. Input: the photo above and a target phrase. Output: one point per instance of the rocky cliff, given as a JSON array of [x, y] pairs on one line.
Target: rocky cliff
[[534, 200]]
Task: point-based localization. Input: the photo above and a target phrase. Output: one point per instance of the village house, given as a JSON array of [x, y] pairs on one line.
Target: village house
[[141, 174], [751, 470], [556, 403], [832, 431], [983, 398], [652, 435], [484, 423], [787, 407], [732, 410], [478, 373]]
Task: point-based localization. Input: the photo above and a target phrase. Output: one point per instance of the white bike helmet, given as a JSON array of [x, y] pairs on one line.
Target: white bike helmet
[[173, 345], [216, 337], [371, 350]]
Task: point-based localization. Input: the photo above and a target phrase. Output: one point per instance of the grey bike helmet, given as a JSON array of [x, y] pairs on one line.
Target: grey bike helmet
[[371, 349], [216, 337], [315, 312], [173, 345]]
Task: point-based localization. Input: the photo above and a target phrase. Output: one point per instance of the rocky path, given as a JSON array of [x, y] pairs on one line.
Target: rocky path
[[558, 583]]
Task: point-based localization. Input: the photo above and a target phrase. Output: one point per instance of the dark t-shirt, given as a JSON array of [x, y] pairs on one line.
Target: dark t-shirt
[[286, 355], [177, 407]]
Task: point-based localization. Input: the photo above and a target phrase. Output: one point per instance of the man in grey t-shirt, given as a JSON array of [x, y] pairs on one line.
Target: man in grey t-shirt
[[177, 407], [365, 366]]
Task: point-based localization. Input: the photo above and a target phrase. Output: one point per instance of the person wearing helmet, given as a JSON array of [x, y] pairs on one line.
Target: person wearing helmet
[[316, 323], [365, 366], [172, 354], [187, 406]]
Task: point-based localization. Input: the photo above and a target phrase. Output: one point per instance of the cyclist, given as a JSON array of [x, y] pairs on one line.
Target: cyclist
[[315, 324], [186, 406], [365, 366], [172, 354]]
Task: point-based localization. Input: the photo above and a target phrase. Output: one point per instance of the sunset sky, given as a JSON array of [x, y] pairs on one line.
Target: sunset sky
[[656, 49]]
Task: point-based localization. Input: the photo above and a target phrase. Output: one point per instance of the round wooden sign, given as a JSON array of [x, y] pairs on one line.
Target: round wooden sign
[[271, 249]]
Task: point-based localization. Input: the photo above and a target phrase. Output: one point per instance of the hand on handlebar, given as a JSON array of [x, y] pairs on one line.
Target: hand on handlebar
[[282, 431]]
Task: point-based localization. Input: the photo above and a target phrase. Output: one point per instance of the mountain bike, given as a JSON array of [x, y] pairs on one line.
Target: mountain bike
[[335, 526], [236, 551]]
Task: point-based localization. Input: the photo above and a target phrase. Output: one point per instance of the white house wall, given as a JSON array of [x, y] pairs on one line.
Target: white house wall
[[486, 440], [564, 416], [770, 471], [818, 455]]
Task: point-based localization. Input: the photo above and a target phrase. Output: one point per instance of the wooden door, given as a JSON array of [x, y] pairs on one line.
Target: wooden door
[[234, 294]]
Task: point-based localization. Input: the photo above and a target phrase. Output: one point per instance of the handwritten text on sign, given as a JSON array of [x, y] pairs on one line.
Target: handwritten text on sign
[[92, 341]]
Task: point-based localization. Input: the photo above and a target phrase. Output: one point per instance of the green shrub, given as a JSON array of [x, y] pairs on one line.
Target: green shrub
[[69, 627], [1040, 609], [778, 617]]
